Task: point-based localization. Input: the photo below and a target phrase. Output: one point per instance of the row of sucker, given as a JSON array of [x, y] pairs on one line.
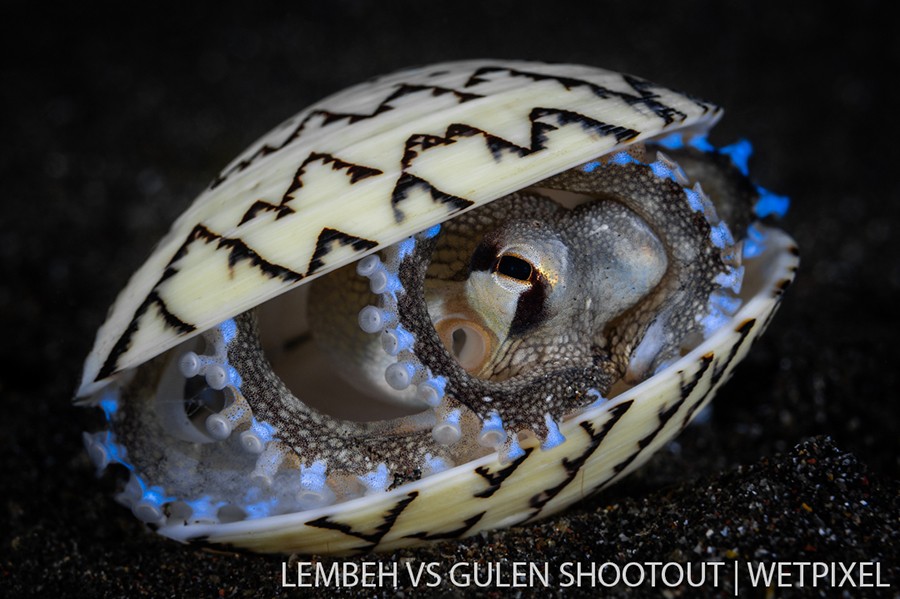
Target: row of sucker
[[296, 458], [336, 457], [700, 291], [146, 501], [725, 172]]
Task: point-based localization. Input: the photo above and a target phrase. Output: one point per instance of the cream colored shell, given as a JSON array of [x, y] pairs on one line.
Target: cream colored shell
[[372, 165]]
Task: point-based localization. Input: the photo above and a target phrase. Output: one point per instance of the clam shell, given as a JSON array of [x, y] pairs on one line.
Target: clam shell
[[373, 165]]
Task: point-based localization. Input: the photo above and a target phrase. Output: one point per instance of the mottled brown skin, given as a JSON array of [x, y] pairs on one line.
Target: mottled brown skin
[[551, 365]]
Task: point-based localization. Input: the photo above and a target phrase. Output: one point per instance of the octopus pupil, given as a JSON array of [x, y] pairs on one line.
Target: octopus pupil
[[459, 341], [514, 268]]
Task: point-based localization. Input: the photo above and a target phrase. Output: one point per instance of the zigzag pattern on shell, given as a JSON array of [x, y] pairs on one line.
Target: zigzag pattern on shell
[[155, 313]]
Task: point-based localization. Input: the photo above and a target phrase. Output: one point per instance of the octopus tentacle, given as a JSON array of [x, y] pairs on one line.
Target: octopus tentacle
[[528, 403], [347, 448], [699, 290]]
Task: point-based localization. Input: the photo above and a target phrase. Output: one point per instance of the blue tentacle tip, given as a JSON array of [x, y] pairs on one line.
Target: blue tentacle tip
[[755, 242], [591, 166], [406, 247], [771, 204], [672, 142], [740, 153], [554, 437], [514, 451], [700, 142]]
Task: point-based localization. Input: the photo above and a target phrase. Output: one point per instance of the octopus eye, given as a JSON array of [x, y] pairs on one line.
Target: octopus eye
[[514, 267]]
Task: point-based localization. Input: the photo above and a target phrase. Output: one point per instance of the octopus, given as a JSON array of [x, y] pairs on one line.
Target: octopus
[[486, 332]]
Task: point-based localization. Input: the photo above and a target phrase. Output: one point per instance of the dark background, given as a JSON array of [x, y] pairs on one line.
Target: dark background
[[112, 122]]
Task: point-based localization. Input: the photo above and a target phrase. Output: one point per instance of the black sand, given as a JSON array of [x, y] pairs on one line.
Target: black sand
[[110, 130]]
